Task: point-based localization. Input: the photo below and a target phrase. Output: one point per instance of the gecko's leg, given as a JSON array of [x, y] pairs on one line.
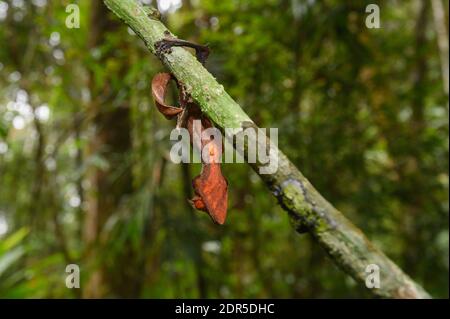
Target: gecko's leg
[[165, 45]]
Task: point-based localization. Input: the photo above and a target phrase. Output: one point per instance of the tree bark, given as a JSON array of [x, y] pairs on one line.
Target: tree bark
[[344, 242]]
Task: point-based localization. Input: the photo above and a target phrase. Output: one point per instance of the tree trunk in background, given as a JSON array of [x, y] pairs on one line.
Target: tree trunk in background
[[110, 141], [441, 28], [410, 164]]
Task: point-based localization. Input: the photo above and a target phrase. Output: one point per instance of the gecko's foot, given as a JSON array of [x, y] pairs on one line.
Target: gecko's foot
[[165, 47]]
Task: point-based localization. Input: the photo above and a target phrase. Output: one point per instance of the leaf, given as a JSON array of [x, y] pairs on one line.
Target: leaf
[[10, 258], [13, 240]]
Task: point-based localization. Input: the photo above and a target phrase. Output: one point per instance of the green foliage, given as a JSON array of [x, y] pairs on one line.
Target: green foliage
[[10, 250], [362, 112]]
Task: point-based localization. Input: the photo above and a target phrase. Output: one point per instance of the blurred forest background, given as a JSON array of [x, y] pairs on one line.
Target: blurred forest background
[[85, 177]]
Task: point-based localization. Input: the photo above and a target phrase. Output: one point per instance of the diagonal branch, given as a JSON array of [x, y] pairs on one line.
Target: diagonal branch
[[347, 246]]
